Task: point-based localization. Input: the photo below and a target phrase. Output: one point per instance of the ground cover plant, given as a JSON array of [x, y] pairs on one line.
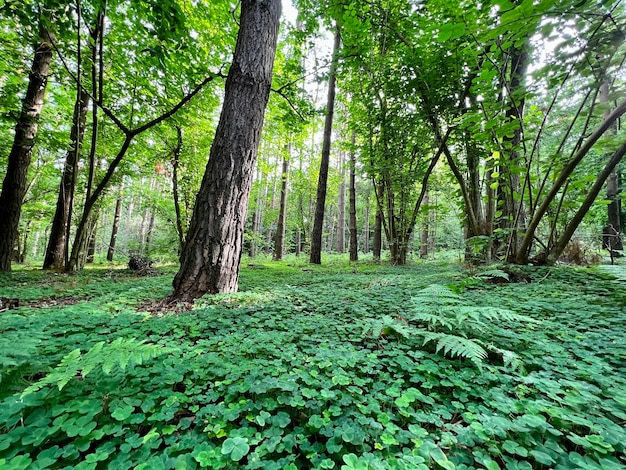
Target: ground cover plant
[[342, 366]]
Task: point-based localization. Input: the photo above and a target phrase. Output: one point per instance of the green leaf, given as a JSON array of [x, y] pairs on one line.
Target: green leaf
[[542, 457], [123, 412], [237, 447]]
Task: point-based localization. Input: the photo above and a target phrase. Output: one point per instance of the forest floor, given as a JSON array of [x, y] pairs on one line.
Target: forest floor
[[341, 366]]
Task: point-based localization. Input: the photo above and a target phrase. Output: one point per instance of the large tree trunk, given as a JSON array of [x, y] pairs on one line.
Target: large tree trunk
[[320, 203], [513, 215], [14, 185], [212, 253], [282, 213], [56, 253], [354, 256]]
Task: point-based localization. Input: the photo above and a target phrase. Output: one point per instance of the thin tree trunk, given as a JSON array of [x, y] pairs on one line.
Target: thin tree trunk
[[150, 232], [320, 203], [378, 225], [176, 195], [212, 253], [557, 250], [56, 252], [529, 236], [116, 223], [614, 209], [282, 213], [91, 246], [341, 208], [366, 221], [424, 245], [354, 249], [14, 185]]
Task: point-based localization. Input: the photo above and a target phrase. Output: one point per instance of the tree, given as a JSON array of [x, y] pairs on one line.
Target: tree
[[14, 185], [318, 221], [211, 255], [279, 244]]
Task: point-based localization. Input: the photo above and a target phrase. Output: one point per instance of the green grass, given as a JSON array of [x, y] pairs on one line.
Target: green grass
[[315, 367]]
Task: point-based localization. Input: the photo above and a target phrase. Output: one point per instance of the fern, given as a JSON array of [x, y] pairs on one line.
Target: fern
[[494, 273], [509, 358], [457, 346], [121, 352], [388, 326], [437, 294], [437, 307], [432, 319]]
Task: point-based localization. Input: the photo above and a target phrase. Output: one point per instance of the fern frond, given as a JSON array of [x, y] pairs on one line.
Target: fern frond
[[495, 313], [509, 358], [121, 352], [430, 318], [436, 294], [491, 273], [456, 346]]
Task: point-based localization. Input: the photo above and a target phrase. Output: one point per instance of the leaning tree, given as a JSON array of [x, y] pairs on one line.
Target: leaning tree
[[212, 251]]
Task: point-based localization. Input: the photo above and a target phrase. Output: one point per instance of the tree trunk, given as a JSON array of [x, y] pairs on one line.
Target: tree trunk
[[320, 203], [614, 224], [257, 218], [91, 246], [341, 208], [150, 232], [354, 250], [14, 185], [513, 216], [557, 250], [378, 225], [175, 164], [424, 245], [282, 213], [212, 253], [56, 253], [562, 179], [366, 222], [116, 223]]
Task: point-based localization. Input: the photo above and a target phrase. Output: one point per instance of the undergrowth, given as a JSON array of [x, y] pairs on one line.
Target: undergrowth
[[334, 367]]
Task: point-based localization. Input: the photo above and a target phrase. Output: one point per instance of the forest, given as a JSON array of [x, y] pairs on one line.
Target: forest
[[353, 234]]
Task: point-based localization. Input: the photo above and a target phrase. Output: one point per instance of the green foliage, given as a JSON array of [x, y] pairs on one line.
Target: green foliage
[[280, 375], [122, 352]]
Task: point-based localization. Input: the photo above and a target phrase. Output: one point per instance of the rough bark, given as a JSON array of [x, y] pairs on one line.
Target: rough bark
[[212, 253], [320, 203], [56, 252], [14, 184], [282, 213]]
